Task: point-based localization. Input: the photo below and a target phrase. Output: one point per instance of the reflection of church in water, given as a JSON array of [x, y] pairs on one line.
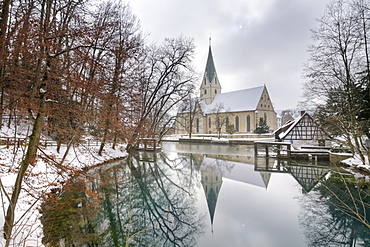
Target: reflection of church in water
[[215, 168], [249, 170], [211, 182]]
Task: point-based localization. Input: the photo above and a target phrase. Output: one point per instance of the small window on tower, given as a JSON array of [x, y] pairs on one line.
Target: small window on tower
[[205, 91], [215, 90]]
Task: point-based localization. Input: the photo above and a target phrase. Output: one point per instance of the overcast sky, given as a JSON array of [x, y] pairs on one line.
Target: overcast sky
[[254, 42]]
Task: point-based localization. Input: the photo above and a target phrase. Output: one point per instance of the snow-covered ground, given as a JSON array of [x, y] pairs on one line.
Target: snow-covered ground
[[45, 174]]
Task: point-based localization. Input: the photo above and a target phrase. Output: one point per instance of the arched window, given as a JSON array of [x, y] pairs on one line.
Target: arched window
[[227, 121], [237, 123], [265, 117], [209, 122], [248, 123], [205, 91], [215, 90], [197, 124]]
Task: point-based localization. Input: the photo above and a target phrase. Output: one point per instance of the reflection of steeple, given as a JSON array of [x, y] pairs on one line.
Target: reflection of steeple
[[265, 177], [211, 182]]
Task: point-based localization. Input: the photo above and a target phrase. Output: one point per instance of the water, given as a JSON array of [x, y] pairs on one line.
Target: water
[[209, 195]]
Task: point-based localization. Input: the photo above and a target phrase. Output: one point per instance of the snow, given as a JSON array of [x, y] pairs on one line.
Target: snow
[[42, 176], [356, 162], [236, 101]]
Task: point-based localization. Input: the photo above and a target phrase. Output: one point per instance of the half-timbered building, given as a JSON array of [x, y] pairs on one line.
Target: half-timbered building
[[303, 131]]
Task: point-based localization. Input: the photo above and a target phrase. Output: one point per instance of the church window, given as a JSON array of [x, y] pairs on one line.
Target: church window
[[205, 82], [205, 91], [227, 121], [265, 117], [248, 123], [215, 90], [268, 106], [209, 122], [197, 124], [237, 123]]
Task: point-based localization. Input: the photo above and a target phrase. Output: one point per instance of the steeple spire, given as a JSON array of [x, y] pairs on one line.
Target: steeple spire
[[210, 85], [210, 66]]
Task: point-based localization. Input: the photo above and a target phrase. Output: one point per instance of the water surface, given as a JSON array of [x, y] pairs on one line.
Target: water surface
[[209, 195]]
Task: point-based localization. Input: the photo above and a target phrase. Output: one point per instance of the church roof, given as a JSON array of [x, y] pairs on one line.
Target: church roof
[[210, 71], [236, 101]]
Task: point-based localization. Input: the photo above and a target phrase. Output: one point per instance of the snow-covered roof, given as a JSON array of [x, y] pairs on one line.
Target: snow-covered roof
[[236, 101]]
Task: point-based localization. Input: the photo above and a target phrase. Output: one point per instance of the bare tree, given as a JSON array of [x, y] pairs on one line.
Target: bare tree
[[221, 118], [34, 75], [125, 43], [336, 70], [166, 79], [188, 115]]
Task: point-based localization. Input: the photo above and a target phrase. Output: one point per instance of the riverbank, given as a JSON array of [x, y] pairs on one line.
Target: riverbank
[[45, 174]]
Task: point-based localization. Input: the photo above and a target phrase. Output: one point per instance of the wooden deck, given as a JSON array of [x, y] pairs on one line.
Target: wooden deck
[[284, 150]]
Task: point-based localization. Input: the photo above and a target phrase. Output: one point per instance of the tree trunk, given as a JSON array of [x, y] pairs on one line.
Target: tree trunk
[[3, 28], [29, 158]]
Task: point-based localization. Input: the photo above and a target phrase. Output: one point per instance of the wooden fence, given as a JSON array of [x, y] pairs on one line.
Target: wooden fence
[[14, 141]]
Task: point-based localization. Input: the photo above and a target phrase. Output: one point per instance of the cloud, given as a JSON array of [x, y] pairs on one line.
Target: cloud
[[270, 48]]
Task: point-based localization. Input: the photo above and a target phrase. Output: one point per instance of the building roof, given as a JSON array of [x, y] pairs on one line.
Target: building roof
[[302, 128], [236, 101], [210, 71]]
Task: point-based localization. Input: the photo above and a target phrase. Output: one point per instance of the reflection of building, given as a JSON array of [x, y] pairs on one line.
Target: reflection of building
[[211, 182], [305, 173], [213, 110], [308, 176]]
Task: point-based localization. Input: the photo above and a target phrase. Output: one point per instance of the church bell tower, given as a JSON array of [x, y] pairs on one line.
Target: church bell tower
[[210, 85]]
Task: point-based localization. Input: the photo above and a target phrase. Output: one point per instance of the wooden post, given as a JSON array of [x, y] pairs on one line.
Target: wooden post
[[255, 149]]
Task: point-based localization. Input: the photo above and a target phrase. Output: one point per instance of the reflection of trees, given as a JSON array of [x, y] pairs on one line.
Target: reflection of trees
[[67, 217], [142, 203], [337, 212]]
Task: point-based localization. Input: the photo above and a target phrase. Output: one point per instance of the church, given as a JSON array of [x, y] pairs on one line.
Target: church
[[214, 112]]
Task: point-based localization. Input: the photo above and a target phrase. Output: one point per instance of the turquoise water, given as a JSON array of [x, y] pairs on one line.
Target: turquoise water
[[210, 195]]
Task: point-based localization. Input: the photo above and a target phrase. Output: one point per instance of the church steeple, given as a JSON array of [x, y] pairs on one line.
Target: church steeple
[[210, 84]]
